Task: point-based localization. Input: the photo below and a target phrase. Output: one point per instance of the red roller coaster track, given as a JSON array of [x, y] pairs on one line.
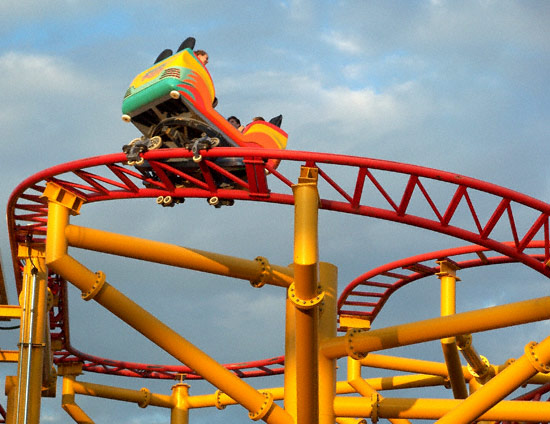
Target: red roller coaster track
[[423, 197]]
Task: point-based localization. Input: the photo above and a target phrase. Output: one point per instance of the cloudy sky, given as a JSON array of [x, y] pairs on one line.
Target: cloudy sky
[[458, 86]]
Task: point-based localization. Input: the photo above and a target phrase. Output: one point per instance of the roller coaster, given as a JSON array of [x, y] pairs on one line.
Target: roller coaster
[[331, 339]]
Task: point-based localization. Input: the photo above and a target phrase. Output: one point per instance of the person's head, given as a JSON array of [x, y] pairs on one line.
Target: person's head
[[258, 118], [202, 56], [233, 120]]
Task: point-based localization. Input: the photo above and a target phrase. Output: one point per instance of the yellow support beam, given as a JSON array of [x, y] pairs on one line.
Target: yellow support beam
[[32, 336], [437, 328], [10, 312], [291, 383], [304, 294], [397, 363], [257, 271], [536, 359], [478, 365], [180, 407], [220, 400], [142, 398], [433, 409], [328, 280], [10, 388], [448, 278], [9, 355], [3, 292]]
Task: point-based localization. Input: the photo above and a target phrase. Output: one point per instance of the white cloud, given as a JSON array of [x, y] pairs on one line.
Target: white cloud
[[342, 43], [34, 74]]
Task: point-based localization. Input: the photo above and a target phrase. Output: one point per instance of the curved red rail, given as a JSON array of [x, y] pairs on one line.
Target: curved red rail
[[355, 185], [366, 295]]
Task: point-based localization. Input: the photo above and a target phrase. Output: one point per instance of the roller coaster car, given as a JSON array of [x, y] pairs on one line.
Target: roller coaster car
[[171, 104]]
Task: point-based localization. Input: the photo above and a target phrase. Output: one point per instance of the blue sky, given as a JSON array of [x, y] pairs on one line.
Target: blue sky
[[459, 86]]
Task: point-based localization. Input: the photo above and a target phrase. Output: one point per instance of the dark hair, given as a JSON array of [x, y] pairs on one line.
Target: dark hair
[[200, 52], [235, 118]]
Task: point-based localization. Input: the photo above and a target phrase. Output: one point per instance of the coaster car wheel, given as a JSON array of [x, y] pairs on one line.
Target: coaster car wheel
[[155, 142]]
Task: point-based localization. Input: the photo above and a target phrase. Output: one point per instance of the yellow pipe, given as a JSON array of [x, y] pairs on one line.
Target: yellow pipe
[[398, 382], [536, 358], [447, 276], [351, 421], [539, 379], [306, 205], [10, 389], [405, 382], [432, 409], [396, 363], [328, 280], [437, 328], [9, 355], [180, 409], [221, 400], [141, 397], [290, 383], [68, 403], [32, 338], [10, 311], [94, 286], [178, 256], [367, 391], [482, 370]]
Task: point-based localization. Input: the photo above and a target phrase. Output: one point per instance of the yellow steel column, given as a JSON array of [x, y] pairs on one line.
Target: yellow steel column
[[303, 292], [94, 286], [290, 383], [32, 338], [536, 359], [11, 393], [327, 328], [448, 278], [180, 408]]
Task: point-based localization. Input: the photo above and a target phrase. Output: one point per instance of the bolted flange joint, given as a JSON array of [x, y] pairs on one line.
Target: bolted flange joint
[[218, 401], [375, 404], [264, 409], [484, 372], [532, 356], [96, 287], [147, 396], [265, 272], [304, 303], [352, 353]]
